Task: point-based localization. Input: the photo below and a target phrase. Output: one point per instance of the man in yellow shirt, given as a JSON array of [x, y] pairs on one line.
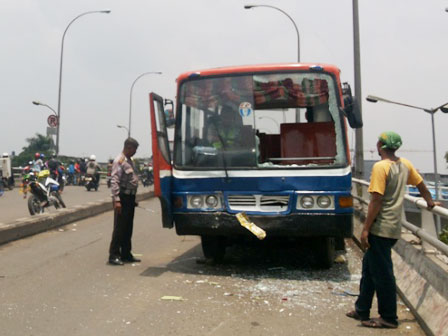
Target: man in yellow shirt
[[382, 229]]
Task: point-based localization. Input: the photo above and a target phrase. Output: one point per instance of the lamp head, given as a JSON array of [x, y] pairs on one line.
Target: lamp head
[[36, 102], [106, 11], [248, 6], [372, 99], [444, 108]]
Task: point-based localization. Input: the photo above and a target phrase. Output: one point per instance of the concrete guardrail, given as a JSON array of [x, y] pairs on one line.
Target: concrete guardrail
[[44, 222]]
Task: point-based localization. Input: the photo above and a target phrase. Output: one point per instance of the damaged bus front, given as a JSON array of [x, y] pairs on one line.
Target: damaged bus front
[[269, 141]]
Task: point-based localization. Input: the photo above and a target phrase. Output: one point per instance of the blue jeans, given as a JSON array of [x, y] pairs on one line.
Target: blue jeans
[[378, 276]]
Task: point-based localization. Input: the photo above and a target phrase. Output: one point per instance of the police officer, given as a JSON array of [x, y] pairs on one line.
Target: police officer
[[124, 183]]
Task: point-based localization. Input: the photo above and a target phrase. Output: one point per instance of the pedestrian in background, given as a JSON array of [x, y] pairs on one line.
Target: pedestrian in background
[[77, 173], [382, 229], [124, 183]]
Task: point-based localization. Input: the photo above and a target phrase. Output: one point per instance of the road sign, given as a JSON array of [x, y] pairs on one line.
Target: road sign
[[52, 120], [51, 131]]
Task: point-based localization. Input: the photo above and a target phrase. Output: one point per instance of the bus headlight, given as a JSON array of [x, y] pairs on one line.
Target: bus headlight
[[323, 201], [307, 202], [196, 202], [211, 201]]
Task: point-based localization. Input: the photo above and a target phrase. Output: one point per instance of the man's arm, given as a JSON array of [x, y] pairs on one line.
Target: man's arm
[[374, 208], [426, 195], [115, 185]]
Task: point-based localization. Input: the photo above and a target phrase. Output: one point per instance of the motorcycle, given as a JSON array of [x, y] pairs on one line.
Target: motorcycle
[[91, 182], [44, 193], [147, 178]]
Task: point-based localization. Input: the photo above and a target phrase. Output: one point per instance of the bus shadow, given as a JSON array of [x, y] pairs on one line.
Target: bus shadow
[[276, 260]]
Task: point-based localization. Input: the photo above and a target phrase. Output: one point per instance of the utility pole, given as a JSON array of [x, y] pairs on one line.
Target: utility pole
[[359, 147]]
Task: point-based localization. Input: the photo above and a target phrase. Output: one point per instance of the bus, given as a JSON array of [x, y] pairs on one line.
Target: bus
[[269, 141]]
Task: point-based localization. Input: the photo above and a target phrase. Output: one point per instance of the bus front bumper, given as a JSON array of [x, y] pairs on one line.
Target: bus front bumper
[[293, 225]]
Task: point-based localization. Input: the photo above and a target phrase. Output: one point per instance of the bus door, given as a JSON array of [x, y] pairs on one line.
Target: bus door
[[161, 158]]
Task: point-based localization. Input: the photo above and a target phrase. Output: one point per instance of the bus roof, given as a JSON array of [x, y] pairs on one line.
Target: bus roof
[[259, 68]]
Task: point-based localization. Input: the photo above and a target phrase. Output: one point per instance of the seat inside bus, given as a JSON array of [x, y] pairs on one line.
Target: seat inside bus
[[299, 141]]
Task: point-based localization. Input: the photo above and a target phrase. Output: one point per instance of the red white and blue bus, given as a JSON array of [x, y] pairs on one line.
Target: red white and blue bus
[[267, 140]]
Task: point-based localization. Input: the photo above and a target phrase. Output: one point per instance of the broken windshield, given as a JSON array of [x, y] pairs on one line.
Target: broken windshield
[[259, 121]]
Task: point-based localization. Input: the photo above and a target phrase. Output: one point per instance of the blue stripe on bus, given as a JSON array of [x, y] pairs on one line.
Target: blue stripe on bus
[[264, 184]]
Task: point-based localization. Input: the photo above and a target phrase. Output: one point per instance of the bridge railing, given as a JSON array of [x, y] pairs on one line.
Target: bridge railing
[[428, 230]]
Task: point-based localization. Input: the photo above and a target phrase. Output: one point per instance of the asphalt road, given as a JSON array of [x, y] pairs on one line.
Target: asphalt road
[[58, 283], [13, 206]]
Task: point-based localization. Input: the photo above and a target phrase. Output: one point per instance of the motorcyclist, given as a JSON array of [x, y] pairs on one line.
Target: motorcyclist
[[148, 177], [71, 173], [53, 166], [93, 169], [38, 162], [82, 169], [26, 175]]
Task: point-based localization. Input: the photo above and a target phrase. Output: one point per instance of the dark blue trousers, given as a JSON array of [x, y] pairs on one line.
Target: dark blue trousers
[[378, 276], [121, 245]]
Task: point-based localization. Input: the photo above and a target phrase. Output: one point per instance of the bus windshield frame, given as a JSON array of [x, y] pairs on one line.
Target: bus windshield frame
[[260, 120]]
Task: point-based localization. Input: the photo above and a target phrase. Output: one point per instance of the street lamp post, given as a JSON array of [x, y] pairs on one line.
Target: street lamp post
[[432, 111], [124, 127], [289, 17], [38, 103], [298, 37], [60, 70], [130, 96], [359, 142], [42, 104]]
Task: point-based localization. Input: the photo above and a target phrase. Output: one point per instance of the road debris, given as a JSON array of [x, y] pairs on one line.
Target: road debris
[[340, 259], [280, 268], [146, 209], [172, 298], [245, 222]]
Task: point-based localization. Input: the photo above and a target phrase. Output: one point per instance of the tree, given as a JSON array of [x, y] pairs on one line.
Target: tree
[[38, 144]]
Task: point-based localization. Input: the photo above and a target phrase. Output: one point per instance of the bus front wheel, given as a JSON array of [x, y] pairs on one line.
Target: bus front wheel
[[325, 251], [213, 247]]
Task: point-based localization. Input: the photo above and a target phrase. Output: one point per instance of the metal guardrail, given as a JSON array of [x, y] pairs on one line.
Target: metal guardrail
[[427, 233]]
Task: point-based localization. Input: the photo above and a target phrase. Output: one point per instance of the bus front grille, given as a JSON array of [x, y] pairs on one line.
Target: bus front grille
[[261, 203]]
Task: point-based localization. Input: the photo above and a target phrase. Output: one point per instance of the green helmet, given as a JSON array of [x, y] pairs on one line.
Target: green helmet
[[390, 140]]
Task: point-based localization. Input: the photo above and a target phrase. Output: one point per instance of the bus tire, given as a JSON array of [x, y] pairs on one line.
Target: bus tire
[[213, 247], [340, 244], [325, 251]]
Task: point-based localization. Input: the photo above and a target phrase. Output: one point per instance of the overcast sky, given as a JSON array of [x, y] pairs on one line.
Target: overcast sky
[[403, 58]]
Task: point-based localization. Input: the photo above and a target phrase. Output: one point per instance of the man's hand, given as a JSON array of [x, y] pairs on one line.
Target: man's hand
[[117, 207], [365, 239], [432, 204]]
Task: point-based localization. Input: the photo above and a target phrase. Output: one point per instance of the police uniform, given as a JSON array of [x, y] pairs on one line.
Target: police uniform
[[124, 183]]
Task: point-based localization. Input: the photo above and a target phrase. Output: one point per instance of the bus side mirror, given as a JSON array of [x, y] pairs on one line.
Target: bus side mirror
[[351, 107], [169, 113]]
